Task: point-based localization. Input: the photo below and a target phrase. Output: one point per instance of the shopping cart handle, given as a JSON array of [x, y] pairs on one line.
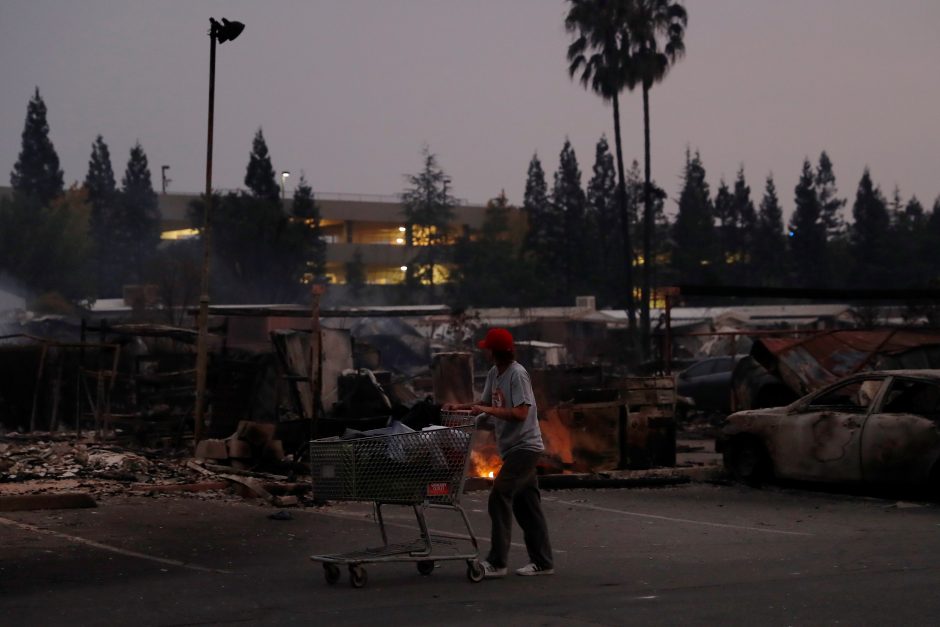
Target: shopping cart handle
[[484, 422]]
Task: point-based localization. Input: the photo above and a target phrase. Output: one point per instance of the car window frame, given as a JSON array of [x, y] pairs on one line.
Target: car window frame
[[807, 404]]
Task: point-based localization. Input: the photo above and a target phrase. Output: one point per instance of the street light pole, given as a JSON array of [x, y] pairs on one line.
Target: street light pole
[[284, 176], [226, 31]]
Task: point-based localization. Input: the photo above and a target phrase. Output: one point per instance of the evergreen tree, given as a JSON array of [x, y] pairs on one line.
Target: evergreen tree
[[768, 250], [36, 172], [634, 187], [869, 241], [137, 232], [306, 211], [908, 268], [429, 210], [46, 249], [568, 199], [827, 194], [604, 226], [537, 208], [259, 176], [694, 229], [727, 227], [487, 269], [742, 243], [260, 254], [807, 232], [103, 197], [929, 246], [542, 225]]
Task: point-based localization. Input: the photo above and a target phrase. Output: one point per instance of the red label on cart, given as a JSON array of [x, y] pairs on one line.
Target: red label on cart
[[441, 488]]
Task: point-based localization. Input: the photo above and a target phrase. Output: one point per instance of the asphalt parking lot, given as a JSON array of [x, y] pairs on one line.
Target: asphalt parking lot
[[688, 554]]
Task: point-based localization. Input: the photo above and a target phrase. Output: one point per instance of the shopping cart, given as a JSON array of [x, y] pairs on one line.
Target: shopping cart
[[422, 469]]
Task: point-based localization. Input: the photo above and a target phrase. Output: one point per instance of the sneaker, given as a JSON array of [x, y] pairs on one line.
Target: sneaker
[[533, 570], [492, 572]]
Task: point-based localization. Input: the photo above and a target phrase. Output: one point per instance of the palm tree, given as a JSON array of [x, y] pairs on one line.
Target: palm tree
[[654, 32], [600, 54]]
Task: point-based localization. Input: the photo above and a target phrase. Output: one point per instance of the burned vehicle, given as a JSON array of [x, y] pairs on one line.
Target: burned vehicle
[[708, 383], [879, 427]]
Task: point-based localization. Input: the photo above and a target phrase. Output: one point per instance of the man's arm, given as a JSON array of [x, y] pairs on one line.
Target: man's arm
[[509, 414]]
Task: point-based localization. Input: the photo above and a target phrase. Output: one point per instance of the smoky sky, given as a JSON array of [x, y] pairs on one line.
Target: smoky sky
[[349, 91]]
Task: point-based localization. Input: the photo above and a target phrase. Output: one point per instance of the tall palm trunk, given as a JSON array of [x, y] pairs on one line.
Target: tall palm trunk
[[647, 227], [624, 221]]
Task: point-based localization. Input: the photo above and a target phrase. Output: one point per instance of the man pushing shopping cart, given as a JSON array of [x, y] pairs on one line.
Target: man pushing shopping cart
[[509, 401]]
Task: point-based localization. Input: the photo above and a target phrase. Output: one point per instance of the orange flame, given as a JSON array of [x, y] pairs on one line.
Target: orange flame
[[484, 465]]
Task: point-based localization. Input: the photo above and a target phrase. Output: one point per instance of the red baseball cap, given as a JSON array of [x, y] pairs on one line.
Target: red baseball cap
[[497, 340]]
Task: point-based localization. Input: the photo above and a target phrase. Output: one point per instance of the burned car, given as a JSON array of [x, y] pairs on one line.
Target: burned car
[[879, 427]]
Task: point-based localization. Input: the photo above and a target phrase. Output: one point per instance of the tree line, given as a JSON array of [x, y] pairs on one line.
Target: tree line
[[573, 241], [565, 240], [70, 247]]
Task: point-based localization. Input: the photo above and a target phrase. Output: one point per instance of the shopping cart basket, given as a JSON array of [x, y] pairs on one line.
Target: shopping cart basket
[[423, 470]]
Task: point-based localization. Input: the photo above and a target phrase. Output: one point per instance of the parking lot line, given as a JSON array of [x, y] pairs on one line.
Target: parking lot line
[[108, 547], [687, 521]]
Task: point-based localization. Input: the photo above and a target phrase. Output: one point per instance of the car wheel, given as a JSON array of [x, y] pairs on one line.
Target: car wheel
[[748, 462]]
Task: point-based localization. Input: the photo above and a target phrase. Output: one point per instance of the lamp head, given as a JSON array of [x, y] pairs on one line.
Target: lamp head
[[226, 31]]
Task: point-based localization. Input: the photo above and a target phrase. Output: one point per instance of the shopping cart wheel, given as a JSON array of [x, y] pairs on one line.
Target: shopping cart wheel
[[331, 572], [475, 571], [357, 576], [426, 567]]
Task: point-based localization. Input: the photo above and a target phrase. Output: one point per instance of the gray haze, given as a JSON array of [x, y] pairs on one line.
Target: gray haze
[[349, 91]]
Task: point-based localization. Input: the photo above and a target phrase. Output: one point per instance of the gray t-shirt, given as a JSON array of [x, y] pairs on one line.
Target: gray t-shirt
[[511, 389]]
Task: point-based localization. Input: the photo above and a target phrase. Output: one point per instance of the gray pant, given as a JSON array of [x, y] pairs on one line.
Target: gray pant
[[516, 491]]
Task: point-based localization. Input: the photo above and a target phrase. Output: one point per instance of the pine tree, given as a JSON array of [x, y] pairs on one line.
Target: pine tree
[[487, 270], [930, 244], [807, 232], [259, 176], [769, 244], [46, 249], [260, 252], [568, 199], [869, 241], [907, 266], [429, 210], [742, 245], [694, 229], [306, 210], [103, 198], [827, 195], [137, 232], [604, 225], [542, 223], [727, 226], [36, 172], [536, 207]]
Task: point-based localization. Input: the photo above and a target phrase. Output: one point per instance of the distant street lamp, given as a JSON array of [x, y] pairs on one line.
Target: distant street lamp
[[284, 176], [226, 31], [163, 176]]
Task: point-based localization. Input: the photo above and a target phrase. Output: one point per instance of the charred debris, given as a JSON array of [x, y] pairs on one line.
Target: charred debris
[[114, 400]]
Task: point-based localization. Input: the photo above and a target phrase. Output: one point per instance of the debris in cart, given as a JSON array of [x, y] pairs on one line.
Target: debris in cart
[[424, 470]]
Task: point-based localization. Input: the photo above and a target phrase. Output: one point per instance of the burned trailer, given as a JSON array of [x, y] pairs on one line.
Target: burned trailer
[[137, 379], [781, 369]]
